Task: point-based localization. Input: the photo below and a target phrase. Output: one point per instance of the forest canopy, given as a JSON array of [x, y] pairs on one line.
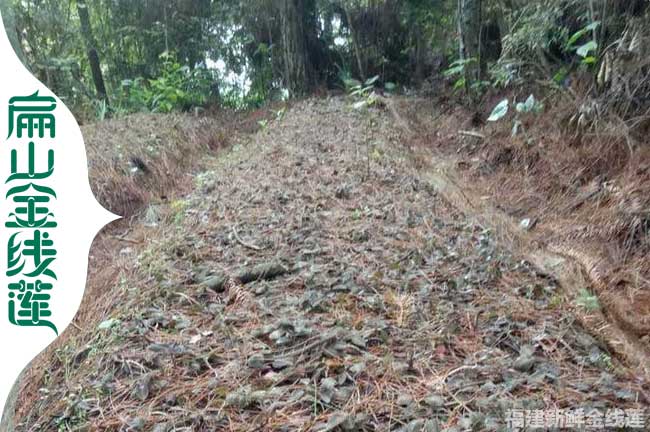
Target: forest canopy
[[106, 57]]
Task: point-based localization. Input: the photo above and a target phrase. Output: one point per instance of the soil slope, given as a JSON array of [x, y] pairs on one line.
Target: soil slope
[[314, 280]]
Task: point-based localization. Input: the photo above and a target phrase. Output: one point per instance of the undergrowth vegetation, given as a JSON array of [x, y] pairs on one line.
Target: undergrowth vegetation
[[177, 88], [192, 54]]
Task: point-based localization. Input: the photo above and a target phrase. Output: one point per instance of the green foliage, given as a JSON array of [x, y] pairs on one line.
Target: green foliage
[[505, 73], [177, 88], [364, 93], [543, 39], [582, 32], [588, 300], [457, 71], [535, 29], [530, 106], [244, 47], [363, 90], [499, 111], [101, 110], [586, 48]]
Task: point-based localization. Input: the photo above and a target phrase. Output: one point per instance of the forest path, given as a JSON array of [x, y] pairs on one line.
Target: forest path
[[396, 312]]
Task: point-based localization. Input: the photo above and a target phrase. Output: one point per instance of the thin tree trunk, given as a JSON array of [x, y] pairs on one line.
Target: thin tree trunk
[[461, 32], [470, 28], [420, 52], [355, 43], [166, 30], [93, 56]]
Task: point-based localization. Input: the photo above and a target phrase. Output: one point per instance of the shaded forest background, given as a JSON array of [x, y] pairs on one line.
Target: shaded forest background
[[109, 57]]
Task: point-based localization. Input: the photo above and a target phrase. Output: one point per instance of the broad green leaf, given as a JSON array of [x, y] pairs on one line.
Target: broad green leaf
[[580, 33], [454, 70], [530, 105], [371, 81], [593, 26], [389, 86], [530, 102], [499, 111], [585, 49]]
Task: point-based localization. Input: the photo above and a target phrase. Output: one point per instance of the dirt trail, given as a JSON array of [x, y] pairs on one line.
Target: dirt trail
[[397, 313]]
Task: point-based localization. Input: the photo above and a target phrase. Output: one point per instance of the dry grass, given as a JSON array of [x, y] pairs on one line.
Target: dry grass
[[170, 146], [586, 190], [139, 159], [398, 311]]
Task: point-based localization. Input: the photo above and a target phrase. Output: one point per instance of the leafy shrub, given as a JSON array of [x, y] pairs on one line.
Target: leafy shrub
[[177, 88], [457, 71], [547, 38], [363, 92], [535, 30]]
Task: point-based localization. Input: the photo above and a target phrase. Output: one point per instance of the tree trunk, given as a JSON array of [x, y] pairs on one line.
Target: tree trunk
[[297, 68], [470, 39], [461, 31], [93, 56], [420, 53], [355, 43]]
